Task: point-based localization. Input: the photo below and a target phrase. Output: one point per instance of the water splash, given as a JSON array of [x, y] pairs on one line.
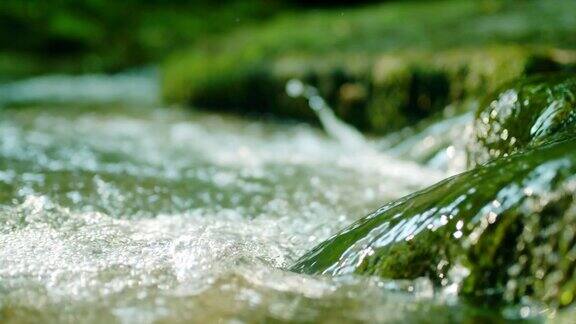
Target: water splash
[[440, 146], [336, 128], [354, 141], [102, 219]]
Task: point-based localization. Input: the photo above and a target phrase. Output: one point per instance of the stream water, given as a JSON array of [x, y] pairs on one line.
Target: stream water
[[122, 211]]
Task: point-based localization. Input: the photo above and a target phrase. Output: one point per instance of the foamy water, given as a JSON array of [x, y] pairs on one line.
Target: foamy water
[[146, 214], [114, 213]]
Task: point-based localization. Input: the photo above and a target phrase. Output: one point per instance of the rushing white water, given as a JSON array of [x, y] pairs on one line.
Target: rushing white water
[[135, 214]]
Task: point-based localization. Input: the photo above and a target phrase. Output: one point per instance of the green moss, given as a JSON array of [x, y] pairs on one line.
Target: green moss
[[404, 93], [99, 35], [525, 113], [407, 87], [510, 223], [376, 93]]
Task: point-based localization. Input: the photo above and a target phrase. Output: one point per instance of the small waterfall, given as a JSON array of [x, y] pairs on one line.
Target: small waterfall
[[336, 128]]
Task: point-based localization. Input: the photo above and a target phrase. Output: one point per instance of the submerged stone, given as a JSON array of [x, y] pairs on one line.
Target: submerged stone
[[502, 231]]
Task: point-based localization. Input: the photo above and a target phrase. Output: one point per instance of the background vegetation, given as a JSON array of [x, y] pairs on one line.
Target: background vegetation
[[41, 36], [381, 66]]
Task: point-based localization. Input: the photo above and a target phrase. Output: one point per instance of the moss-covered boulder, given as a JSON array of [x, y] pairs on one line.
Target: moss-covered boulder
[[375, 93], [524, 114], [411, 86], [508, 227]]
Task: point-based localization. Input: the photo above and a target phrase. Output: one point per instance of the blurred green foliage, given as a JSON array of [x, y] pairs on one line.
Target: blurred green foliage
[[39, 36], [97, 35]]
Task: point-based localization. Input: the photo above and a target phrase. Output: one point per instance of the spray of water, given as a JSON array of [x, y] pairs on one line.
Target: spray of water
[[440, 146], [102, 219], [344, 133], [354, 141]]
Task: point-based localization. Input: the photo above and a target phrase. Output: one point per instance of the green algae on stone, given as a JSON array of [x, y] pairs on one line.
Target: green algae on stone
[[406, 96], [525, 113], [375, 93], [508, 226], [481, 220]]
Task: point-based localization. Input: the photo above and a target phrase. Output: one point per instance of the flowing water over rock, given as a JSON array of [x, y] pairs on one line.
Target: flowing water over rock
[[123, 213], [115, 210], [501, 233]]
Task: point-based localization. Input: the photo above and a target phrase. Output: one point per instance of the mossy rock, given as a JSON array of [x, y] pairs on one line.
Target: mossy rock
[[406, 94], [510, 223], [525, 113], [377, 94]]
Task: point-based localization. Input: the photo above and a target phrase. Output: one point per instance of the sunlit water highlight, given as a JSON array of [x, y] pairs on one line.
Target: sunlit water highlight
[[122, 214]]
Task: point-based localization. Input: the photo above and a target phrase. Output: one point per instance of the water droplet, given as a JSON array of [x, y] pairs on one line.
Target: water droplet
[[295, 88]]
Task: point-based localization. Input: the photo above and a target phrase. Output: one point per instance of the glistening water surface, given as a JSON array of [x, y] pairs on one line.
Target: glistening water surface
[[114, 213]]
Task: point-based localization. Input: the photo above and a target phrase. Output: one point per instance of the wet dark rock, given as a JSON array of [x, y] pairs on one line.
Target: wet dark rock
[[525, 113], [505, 230], [510, 223]]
